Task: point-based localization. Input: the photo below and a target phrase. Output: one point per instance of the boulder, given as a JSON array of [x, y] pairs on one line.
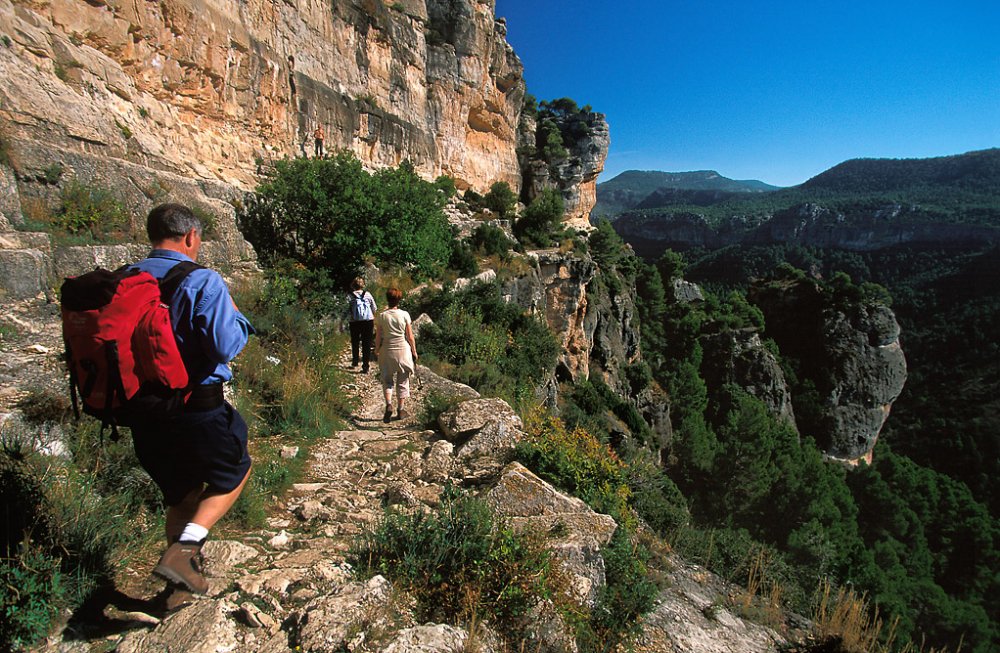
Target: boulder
[[329, 621], [429, 638], [573, 530], [203, 627], [470, 416], [23, 273]]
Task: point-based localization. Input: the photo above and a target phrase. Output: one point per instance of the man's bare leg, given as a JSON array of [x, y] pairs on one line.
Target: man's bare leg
[[201, 507]]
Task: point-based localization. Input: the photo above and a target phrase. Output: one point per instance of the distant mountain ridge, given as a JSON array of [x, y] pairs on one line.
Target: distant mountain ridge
[[634, 187], [859, 205], [977, 170]]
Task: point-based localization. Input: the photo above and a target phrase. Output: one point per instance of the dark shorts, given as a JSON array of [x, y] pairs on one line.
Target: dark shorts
[[196, 448]]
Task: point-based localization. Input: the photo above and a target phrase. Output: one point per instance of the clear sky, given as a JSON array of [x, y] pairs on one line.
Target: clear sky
[[771, 90]]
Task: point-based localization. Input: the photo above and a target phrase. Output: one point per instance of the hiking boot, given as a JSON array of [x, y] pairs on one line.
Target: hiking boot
[[181, 564], [387, 415], [364, 369], [178, 598], [402, 414]]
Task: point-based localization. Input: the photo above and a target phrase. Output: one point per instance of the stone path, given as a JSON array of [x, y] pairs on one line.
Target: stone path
[[293, 577]]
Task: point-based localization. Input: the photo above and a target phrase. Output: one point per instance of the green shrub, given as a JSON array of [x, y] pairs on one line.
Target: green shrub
[[541, 224], [479, 339], [331, 214], [90, 210], [62, 538], [501, 200], [577, 462], [436, 402], [463, 259], [446, 185], [52, 173], [459, 562], [31, 593], [628, 594], [490, 240]]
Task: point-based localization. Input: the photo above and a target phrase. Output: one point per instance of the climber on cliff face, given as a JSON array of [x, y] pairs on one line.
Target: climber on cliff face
[[318, 136]]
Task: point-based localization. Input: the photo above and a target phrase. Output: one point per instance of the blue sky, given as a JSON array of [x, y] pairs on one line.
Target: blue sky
[[771, 90]]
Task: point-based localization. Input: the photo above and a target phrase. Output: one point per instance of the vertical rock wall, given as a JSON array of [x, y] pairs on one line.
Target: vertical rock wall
[[212, 90]]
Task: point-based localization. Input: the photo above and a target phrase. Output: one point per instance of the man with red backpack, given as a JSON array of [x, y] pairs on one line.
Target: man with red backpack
[[199, 457]]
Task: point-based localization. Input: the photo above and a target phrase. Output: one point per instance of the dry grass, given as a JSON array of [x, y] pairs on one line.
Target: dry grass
[[844, 615]]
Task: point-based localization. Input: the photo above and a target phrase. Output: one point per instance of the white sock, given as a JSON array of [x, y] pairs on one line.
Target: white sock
[[193, 533]]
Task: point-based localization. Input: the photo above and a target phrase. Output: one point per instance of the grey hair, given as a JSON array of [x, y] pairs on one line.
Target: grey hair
[[169, 221]]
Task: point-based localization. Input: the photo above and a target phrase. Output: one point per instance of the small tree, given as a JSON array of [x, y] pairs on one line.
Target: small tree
[[501, 199], [540, 224], [331, 214]]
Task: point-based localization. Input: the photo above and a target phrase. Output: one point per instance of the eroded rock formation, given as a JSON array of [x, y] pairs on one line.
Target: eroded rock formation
[[850, 353]]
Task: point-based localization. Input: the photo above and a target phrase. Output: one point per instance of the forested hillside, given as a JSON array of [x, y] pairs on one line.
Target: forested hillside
[[923, 515]]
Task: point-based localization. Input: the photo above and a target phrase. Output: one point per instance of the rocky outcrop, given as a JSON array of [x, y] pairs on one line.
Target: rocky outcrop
[[534, 506], [593, 326], [740, 357], [849, 352], [573, 175]]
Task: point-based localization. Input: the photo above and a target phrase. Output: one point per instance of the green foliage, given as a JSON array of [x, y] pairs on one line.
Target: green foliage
[[331, 214], [462, 258], [627, 595], [288, 381], [434, 404], [92, 211], [31, 591], [501, 200], [6, 40], [530, 105], [62, 539], [479, 339], [446, 185], [124, 129], [541, 223], [606, 246], [459, 562], [52, 173], [898, 531], [491, 241], [576, 461]]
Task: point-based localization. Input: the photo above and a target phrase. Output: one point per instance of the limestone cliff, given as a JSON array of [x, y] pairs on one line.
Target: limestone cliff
[[597, 331], [212, 91], [572, 165], [850, 354], [143, 97]]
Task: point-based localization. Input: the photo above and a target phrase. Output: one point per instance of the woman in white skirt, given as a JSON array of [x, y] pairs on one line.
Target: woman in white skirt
[[396, 351]]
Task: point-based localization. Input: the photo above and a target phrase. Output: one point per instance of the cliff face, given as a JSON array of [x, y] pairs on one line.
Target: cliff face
[[573, 175], [851, 355], [214, 91], [597, 331], [210, 90]]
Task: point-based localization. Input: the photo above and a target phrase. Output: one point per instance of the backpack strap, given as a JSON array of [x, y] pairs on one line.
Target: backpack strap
[[176, 275]]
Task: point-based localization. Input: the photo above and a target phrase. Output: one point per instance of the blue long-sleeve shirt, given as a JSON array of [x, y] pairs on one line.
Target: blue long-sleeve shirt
[[210, 330]]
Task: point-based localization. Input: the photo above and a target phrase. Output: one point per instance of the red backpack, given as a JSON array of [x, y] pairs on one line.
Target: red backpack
[[120, 345]]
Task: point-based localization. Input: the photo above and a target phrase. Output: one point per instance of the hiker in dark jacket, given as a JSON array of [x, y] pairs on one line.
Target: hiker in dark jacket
[[361, 308], [199, 459]]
